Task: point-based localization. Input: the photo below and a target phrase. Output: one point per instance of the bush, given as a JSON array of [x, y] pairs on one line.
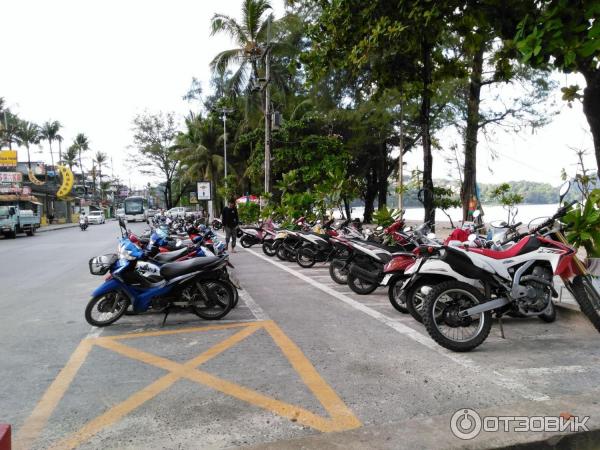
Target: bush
[[248, 212]]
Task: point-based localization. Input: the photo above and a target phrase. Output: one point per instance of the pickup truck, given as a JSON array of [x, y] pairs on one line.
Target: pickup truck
[[18, 217]]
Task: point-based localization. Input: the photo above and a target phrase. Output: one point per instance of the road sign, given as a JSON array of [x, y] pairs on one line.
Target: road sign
[[193, 198], [204, 190]]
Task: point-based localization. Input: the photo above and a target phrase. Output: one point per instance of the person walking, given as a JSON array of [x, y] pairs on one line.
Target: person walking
[[230, 219]]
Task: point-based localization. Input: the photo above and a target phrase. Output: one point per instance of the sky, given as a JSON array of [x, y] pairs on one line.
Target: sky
[[95, 65]]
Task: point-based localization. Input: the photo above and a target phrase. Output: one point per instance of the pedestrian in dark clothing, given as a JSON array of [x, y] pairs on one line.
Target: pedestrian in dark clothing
[[230, 219]]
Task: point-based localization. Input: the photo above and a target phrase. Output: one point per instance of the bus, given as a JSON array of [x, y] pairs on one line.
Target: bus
[[136, 208]]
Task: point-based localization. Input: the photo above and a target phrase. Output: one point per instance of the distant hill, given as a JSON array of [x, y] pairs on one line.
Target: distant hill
[[532, 192]]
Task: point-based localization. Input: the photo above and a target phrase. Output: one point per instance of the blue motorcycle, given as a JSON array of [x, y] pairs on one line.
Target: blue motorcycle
[[194, 285]]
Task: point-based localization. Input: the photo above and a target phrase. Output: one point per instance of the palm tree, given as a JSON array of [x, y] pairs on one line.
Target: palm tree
[[70, 157], [100, 159], [198, 149], [10, 129], [29, 133], [250, 36], [82, 144], [49, 132]]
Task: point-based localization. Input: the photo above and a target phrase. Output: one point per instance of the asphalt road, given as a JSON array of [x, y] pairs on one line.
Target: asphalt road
[[300, 357]]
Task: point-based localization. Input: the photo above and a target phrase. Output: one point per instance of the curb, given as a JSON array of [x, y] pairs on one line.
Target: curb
[[435, 432], [46, 229]]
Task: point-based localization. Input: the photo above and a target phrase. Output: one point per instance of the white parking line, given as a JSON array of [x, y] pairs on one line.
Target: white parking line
[[491, 375], [549, 370], [256, 310]]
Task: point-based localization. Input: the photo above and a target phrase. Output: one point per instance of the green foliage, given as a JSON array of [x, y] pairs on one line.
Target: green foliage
[[228, 189], [565, 32], [445, 198], [583, 225], [248, 212], [504, 194], [385, 217], [296, 205]]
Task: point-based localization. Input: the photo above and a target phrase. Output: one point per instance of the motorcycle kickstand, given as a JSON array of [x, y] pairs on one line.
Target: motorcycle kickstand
[[166, 315], [501, 327]]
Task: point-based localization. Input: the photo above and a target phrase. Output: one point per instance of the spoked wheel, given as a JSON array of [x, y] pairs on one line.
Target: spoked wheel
[[414, 300], [305, 257], [268, 248], [360, 286], [212, 300], [441, 309], [584, 295], [338, 271], [106, 309], [246, 241], [397, 296]]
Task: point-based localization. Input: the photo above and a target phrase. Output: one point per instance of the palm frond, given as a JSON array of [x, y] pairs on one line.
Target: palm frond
[[223, 60], [228, 25]]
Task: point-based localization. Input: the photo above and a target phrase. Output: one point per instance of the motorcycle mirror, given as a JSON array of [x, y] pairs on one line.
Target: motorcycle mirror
[[476, 214], [472, 237], [564, 189]]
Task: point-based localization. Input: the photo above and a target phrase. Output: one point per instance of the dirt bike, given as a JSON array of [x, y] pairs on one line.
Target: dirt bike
[[458, 316]]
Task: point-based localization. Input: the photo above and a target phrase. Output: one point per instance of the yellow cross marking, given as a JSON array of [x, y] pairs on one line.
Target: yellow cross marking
[[340, 416]]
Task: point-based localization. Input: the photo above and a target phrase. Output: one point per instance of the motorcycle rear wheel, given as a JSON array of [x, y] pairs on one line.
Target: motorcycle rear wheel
[[217, 298], [268, 249], [113, 301], [305, 257], [338, 273], [360, 286], [246, 241]]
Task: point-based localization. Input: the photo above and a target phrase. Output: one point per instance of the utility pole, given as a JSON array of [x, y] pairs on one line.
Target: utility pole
[[400, 157], [268, 111]]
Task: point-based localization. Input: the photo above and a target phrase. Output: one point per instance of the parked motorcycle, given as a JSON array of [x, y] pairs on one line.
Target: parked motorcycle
[[194, 285], [458, 315]]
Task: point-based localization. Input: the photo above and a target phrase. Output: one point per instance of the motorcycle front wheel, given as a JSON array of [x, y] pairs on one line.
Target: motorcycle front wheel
[[106, 309], [585, 300], [338, 271], [441, 308], [397, 296], [282, 253], [361, 286]]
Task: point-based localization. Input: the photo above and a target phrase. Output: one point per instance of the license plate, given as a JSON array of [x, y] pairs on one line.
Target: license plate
[[386, 279]]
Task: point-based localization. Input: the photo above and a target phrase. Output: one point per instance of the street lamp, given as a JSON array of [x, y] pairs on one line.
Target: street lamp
[[225, 111]]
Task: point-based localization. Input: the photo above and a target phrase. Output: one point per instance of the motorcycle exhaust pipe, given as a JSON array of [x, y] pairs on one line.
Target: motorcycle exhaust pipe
[[367, 275]]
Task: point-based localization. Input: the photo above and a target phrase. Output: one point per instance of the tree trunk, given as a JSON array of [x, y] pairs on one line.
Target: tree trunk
[[591, 107], [382, 177], [424, 118], [468, 189], [370, 195], [168, 194], [347, 208]]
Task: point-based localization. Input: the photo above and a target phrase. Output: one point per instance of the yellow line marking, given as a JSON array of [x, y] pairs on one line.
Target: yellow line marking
[[36, 422], [332, 403], [182, 330], [139, 398], [341, 417]]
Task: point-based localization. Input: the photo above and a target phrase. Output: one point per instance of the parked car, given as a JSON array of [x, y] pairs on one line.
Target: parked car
[[18, 217], [178, 211], [151, 212], [96, 217]]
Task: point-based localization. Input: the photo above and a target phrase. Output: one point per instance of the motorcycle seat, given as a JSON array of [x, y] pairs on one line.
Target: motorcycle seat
[[525, 245], [170, 256], [175, 269]]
